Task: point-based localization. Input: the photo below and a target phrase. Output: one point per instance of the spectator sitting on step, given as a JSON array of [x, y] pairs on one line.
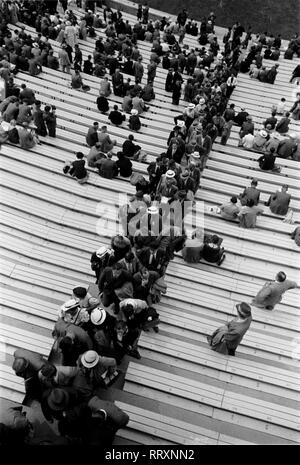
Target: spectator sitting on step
[[78, 170], [27, 136], [250, 193], [116, 117], [287, 147], [106, 142], [280, 108], [271, 120], [247, 127], [247, 141], [279, 202], [102, 103], [267, 161], [212, 251], [124, 165], [134, 120], [283, 125], [129, 148], [94, 155], [88, 67], [248, 214], [107, 167], [260, 140], [105, 88], [230, 210]]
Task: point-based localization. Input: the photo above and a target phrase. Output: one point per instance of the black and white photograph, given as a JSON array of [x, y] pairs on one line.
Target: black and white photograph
[[150, 227]]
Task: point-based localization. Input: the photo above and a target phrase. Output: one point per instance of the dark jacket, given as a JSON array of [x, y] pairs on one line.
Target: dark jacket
[[77, 169], [125, 166], [107, 168]]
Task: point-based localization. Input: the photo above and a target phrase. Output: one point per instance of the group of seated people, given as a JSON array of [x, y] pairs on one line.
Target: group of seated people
[[273, 139], [23, 119], [247, 210]]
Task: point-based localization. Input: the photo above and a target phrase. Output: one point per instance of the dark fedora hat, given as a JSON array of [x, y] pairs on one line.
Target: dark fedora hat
[[58, 399], [243, 309]]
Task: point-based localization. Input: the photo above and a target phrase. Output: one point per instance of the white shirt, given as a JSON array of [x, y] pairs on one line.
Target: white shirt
[[248, 141]]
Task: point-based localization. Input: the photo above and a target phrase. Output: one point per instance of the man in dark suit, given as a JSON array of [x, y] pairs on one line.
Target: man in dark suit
[[153, 258], [250, 193], [279, 202]]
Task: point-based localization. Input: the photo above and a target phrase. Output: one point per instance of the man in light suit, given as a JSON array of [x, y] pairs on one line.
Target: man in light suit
[[272, 292]]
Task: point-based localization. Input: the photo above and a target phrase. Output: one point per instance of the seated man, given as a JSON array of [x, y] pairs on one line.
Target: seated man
[[267, 161], [279, 202], [250, 193], [107, 167], [230, 210], [116, 117], [212, 251], [248, 214], [94, 155]]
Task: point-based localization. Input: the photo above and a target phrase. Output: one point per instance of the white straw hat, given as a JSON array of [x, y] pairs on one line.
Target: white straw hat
[[90, 359]]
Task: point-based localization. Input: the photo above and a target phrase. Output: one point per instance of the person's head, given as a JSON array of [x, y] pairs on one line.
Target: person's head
[[58, 399], [272, 150], [214, 239], [250, 203], [285, 188], [47, 374], [79, 292], [131, 137], [104, 129], [243, 310], [273, 113], [109, 155], [115, 107], [79, 155], [254, 182], [129, 256], [128, 310], [98, 316], [66, 344], [233, 199], [19, 365], [287, 114], [95, 125], [281, 277]]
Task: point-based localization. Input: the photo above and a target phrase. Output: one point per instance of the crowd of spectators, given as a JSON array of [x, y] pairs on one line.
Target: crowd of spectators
[[101, 324]]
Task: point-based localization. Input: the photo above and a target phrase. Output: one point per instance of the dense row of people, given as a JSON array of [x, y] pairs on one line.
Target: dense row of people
[[98, 326]]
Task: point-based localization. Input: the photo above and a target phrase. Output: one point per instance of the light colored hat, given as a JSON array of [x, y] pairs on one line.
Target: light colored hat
[[152, 210], [202, 101], [263, 133], [98, 316], [71, 304], [181, 123], [196, 155], [191, 105], [90, 359], [134, 112], [292, 135], [170, 174], [101, 251]]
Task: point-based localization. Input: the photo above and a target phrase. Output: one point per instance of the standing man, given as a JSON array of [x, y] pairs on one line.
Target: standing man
[[272, 292], [227, 338]]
